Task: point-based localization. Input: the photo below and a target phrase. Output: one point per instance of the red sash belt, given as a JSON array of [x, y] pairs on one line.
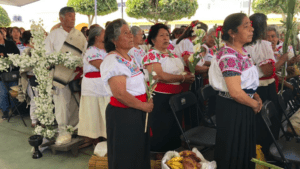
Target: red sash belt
[[272, 76], [116, 103], [168, 88], [80, 72], [93, 75]]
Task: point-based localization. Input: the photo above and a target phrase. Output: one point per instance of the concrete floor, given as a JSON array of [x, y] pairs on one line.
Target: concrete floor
[[15, 151]]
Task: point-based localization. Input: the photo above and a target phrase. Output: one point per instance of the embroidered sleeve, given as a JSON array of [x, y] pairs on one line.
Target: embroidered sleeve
[[94, 54], [230, 63], [268, 61], [230, 74], [151, 57], [186, 53]]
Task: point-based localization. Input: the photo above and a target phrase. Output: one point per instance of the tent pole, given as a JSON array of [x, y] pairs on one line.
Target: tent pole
[[249, 7], [96, 11]]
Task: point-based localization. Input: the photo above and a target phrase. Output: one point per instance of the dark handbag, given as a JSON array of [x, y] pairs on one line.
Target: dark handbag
[[10, 76]]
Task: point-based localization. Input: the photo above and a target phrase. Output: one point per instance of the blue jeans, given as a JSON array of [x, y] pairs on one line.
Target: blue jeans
[[4, 98]]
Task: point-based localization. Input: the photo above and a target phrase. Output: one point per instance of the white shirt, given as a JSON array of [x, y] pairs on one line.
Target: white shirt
[[208, 56], [185, 47], [229, 60], [138, 54], [92, 86], [261, 53], [115, 65], [172, 65], [55, 40]]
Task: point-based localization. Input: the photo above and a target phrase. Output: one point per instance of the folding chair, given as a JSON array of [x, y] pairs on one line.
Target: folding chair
[[204, 94], [12, 77], [75, 87], [282, 103], [198, 136], [286, 151]]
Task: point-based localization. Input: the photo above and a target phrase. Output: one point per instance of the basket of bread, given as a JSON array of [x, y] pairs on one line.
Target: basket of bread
[[186, 160]]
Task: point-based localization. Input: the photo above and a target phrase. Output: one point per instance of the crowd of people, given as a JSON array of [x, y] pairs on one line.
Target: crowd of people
[[117, 61]]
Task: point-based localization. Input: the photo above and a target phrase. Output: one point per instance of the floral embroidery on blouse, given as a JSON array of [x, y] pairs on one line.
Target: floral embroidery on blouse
[[186, 53], [170, 47], [234, 61], [133, 67], [95, 56], [154, 56]]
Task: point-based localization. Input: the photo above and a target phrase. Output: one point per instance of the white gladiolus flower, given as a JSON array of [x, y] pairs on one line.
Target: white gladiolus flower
[[191, 58], [197, 48]]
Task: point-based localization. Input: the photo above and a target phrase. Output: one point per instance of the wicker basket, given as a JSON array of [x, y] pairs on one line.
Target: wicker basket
[[96, 162]]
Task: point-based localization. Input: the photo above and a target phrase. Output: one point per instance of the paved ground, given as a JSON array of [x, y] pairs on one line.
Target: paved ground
[[15, 151]]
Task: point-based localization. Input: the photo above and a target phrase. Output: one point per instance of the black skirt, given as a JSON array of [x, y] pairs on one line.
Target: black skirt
[[165, 130], [262, 134], [235, 140], [127, 145]]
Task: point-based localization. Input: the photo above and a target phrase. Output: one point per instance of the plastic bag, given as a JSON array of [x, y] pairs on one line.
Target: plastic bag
[[101, 149], [64, 137], [204, 163]]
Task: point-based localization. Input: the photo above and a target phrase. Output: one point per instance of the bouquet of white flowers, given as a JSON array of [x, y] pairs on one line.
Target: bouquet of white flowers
[[196, 56]]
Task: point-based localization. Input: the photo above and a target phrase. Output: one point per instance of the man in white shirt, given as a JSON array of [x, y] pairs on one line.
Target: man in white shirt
[[66, 39]]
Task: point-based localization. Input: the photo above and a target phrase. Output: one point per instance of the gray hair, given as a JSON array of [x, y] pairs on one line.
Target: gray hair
[[135, 30], [211, 30], [65, 10], [95, 31], [113, 32], [273, 28]]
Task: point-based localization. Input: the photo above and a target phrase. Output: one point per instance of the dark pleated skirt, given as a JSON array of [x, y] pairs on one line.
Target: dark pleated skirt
[[165, 130], [235, 140], [127, 145], [263, 136]]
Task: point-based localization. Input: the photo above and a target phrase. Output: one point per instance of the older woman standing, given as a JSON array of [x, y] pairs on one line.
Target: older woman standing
[[169, 69], [235, 78], [136, 51], [94, 98], [128, 145]]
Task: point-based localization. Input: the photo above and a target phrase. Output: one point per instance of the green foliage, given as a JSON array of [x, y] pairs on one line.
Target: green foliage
[[87, 7], [161, 10], [271, 6], [4, 19]]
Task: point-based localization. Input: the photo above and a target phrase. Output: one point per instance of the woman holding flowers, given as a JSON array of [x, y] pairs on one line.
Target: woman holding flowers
[[235, 78], [127, 144], [94, 98], [262, 55], [169, 73], [185, 48]]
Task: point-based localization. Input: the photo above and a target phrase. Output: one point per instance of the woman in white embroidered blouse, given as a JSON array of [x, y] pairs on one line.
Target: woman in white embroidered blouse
[[169, 69], [127, 144], [94, 98], [236, 78], [261, 53], [184, 48], [137, 51]]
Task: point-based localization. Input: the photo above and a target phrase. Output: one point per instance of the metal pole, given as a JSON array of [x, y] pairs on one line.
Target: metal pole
[[249, 7], [122, 8], [96, 11]]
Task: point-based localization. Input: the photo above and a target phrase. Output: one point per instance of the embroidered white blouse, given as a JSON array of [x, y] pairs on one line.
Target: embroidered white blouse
[[115, 65], [138, 54], [169, 64], [229, 62]]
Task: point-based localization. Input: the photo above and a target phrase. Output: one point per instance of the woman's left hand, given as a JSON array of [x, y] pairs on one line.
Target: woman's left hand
[[257, 98]]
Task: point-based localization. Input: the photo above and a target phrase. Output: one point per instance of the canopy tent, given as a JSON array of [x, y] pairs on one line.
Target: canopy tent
[[17, 2]]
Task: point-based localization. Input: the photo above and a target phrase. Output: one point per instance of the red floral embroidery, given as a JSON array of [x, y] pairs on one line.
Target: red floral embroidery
[[151, 56], [145, 59], [231, 62], [170, 47], [185, 53], [221, 65]]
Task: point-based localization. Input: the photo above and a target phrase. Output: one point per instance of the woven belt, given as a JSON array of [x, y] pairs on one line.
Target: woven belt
[[227, 95]]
